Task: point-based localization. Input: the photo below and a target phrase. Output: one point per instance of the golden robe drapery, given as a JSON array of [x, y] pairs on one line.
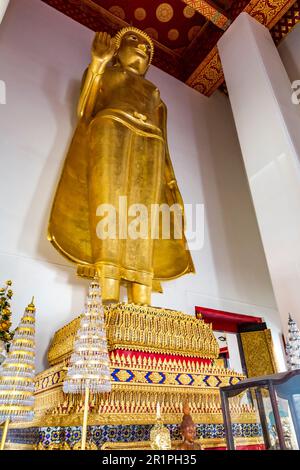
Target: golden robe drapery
[[116, 154]]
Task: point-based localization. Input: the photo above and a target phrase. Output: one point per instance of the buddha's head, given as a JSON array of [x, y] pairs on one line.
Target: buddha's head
[[187, 427], [134, 50]]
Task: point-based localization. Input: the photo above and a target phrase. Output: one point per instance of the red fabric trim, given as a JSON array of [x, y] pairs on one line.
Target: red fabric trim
[[225, 321], [157, 356]]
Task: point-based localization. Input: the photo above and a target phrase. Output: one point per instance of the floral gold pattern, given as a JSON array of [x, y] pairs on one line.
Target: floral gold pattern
[[258, 352], [209, 12], [188, 12], [164, 12]]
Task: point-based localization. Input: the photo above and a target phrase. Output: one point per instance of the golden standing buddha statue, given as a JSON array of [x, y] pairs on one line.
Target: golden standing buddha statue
[[119, 150]]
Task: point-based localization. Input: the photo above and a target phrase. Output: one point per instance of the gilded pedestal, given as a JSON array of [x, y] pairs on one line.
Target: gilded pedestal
[[156, 355]]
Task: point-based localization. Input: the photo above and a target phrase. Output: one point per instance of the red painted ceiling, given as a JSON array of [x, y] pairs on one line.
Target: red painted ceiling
[[183, 37], [173, 24]]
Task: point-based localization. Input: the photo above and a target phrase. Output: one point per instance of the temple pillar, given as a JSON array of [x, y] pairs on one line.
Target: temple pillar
[[3, 8], [268, 127]]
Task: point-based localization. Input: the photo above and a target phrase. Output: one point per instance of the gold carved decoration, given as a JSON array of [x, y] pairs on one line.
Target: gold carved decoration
[[143, 328], [259, 353], [204, 442], [209, 74], [135, 402], [140, 381], [268, 13], [209, 12]]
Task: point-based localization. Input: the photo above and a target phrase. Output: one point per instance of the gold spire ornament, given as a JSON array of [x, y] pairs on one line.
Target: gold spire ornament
[[160, 437], [17, 374], [121, 142]]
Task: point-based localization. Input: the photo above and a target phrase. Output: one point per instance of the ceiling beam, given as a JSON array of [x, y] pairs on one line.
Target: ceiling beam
[[208, 76], [210, 12]]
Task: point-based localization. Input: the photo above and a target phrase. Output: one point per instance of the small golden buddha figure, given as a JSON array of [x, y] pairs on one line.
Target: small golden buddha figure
[[119, 159], [188, 432], [160, 437]]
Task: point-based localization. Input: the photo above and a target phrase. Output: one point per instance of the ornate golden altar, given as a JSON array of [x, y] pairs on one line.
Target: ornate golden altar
[[156, 355]]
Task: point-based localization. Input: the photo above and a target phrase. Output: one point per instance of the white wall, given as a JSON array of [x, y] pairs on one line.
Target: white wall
[[268, 124], [3, 7], [42, 57], [234, 354], [289, 50]]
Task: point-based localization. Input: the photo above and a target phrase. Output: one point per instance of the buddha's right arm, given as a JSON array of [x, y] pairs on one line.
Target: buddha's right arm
[[90, 89]]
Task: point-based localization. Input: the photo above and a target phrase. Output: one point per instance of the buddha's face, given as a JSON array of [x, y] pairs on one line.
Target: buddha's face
[[189, 432], [134, 53]]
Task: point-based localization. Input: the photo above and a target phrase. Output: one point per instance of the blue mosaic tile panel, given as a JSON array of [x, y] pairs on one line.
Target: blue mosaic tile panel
[[130, 433]]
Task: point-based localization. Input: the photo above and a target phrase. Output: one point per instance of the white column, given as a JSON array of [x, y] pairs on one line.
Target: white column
[[268, 126], [3, 8]]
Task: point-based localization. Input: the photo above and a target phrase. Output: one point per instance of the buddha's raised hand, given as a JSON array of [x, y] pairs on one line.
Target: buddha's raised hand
[[104, 47]]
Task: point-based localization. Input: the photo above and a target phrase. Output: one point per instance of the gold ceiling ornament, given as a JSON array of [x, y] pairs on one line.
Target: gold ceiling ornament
[[118, 11], [140, 14], [133, 29], [188, 12], [173, 34], [193, 31], [164, 12], [152, 32]]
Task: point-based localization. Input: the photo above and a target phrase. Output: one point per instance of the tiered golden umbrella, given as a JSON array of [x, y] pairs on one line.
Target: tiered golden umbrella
[[17, 375]]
